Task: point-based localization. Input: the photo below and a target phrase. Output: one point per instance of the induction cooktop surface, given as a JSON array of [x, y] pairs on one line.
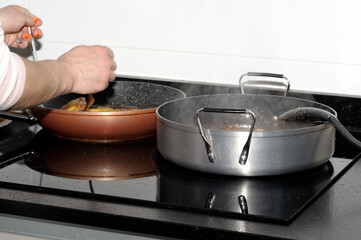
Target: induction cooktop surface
[[134, 172]]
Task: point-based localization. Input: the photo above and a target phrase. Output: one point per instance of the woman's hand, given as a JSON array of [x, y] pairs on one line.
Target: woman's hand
[[91, 68], [15, 21]]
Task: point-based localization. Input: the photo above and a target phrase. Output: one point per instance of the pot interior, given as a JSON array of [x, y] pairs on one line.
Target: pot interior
[[267, 108]]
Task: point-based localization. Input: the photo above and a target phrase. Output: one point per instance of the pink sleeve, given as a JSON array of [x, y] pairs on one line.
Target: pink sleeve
[[12, 75]]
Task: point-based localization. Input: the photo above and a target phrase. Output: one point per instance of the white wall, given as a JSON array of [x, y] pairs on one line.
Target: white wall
[[315, 43]]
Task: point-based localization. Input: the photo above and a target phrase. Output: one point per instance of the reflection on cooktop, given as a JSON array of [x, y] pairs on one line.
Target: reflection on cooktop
[[91, 161], [134, 172], [276, 197]]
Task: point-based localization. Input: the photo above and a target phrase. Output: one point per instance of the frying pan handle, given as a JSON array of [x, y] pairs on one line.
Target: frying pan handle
[[12, 115], [285, 82], [209, 146]]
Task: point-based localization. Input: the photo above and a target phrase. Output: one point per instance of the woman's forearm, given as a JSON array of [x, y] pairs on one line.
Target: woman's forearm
[[83, 70], [44, 81]]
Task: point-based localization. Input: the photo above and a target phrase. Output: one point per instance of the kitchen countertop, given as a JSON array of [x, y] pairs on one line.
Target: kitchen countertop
[[335, 214]]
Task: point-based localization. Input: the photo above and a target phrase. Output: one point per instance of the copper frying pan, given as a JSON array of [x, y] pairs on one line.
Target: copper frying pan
[[105, 126]]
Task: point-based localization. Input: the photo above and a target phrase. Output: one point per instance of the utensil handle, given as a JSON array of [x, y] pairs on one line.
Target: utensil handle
[[286, 83], [35, 56], [209, 146], [312, 114]]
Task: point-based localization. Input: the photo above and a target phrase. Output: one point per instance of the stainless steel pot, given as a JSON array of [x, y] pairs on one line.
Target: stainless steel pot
[[276, 147], [242, 134]]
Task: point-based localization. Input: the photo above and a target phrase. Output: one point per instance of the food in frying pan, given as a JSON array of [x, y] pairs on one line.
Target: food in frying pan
[[108, 109], [79, 104]]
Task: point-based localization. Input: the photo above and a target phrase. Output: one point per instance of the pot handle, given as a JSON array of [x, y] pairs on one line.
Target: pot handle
[[285, 82], [209, 147], [242, 201]]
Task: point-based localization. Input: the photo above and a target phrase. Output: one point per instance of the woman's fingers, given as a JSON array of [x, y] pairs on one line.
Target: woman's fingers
[[25, 37]]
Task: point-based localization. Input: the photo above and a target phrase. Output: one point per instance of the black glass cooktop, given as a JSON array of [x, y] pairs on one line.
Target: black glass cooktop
[[135, 173]]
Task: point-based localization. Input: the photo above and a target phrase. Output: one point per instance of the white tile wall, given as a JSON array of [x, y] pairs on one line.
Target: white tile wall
[[313, 42]]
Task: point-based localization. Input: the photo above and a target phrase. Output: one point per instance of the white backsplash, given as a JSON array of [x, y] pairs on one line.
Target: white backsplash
[[315, 43]]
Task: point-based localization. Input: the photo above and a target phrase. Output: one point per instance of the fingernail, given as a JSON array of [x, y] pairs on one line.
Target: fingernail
[[26, 35], [35, 19], [37, 33]]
